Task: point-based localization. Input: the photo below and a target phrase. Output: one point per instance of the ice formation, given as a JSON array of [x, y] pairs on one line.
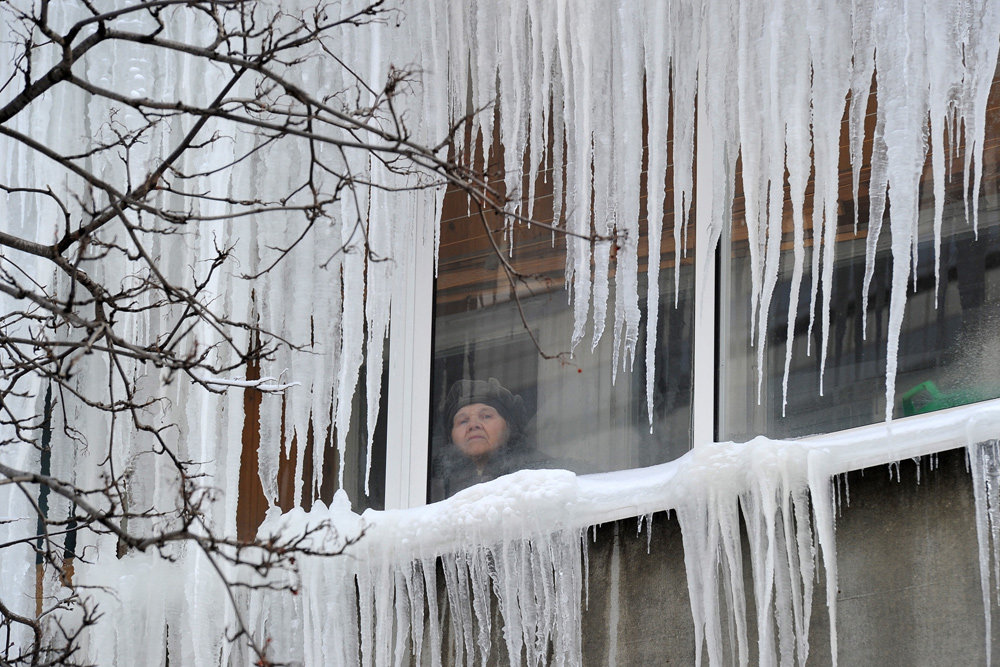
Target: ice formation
[[772, 81], [521, 538]]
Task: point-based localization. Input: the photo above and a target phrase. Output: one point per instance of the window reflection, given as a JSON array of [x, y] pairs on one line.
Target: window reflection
[[949, 353], [573, 416]]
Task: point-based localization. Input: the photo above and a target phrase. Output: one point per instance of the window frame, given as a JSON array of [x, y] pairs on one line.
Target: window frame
[[411, 345]]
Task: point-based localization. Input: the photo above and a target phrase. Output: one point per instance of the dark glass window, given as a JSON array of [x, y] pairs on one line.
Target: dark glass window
[[253, 505], [571, 416], [949, 353]]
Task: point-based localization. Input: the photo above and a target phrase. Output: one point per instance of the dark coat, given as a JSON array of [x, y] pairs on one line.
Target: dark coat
[[451, 471]]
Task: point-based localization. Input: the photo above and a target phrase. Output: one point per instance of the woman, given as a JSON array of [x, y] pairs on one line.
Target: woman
[[485, 426]]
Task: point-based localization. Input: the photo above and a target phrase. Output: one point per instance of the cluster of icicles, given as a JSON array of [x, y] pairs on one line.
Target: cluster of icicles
[[326, 297], [499, 573], [770, 80]]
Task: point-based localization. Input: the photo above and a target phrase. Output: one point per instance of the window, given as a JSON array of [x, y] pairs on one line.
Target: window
[[253, 505], [706, 369], [948, 343], [492, 323]]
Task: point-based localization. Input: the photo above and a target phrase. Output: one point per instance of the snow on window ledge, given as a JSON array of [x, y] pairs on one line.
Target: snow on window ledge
[[522, 538]]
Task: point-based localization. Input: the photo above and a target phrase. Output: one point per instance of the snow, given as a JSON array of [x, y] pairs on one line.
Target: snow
[[512, 535]]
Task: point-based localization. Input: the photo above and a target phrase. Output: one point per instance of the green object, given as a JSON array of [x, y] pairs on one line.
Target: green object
[[926, 397]]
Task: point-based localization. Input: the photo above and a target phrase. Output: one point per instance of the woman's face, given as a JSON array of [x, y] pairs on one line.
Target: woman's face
[[478, 431]]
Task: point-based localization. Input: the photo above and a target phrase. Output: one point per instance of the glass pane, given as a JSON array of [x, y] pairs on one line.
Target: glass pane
[[948, 352], [573, 417]]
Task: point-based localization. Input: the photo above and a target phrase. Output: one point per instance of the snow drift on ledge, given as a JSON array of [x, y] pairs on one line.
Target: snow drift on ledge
[[522, 538]]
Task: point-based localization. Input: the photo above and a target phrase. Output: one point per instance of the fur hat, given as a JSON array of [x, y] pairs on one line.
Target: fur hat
[[492, 393]]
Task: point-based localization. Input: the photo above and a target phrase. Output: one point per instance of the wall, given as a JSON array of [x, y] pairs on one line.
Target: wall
[[909, 588]]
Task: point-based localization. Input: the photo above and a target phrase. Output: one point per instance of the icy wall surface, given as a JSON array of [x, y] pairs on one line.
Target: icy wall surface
[[769, 81], [250, 195], [774, 80], [511, 553]]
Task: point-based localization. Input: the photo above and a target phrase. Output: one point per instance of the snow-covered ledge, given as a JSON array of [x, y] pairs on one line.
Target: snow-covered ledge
[[513, 553], [520, 538]]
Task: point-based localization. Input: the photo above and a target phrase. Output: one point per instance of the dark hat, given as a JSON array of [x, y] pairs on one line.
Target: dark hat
[[492, 393]]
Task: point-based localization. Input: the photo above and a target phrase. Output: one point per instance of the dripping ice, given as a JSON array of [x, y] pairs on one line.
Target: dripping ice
[[534, 560]]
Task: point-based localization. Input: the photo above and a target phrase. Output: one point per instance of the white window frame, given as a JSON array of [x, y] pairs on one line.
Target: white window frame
[[703, 338], [411, 345]]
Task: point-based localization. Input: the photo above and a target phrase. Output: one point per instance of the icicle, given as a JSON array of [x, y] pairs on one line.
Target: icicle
[[627, 160], [780, 535], [752, 155], [718, 85], [903, 102], [684, 69], [824, 524], [877, 202], [708, 529], [658, 46], [984, 457], [429, 567], [830, 49], [576, 66], [377, 298], [981, 53], [403, 619], [483, 56], [557, 159], [541, 19], [513, 77], [773, 140], [863, 50], [599, 68], [797, 146]]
